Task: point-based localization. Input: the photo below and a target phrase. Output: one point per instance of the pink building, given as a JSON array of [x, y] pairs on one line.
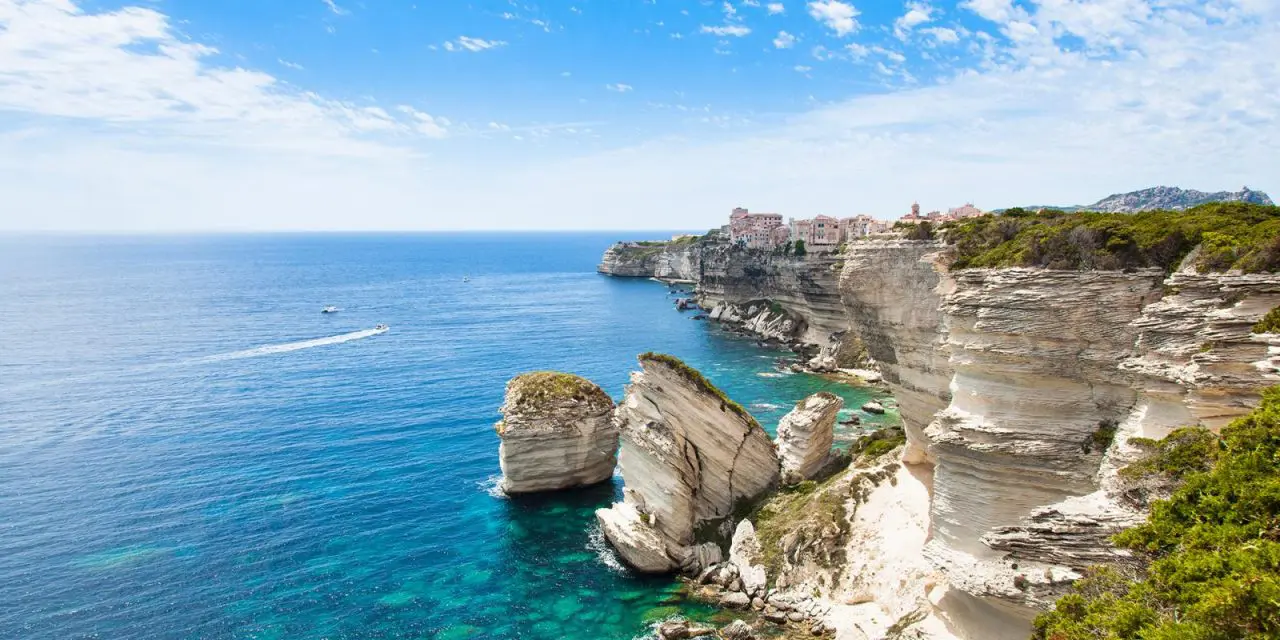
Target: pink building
[[800, 230], [753, 230], [967, 211], [860, 226], [824, 232]]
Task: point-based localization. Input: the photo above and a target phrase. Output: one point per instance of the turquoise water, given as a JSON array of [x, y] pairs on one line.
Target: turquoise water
[[189, 449]]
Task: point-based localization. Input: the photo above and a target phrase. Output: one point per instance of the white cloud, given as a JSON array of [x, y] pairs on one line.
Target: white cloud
[[802, 69], [157, 133], [857, 51], [993, 10], [467, 43], [942, 34], [840, 17], [776, 8], [784, 40], [432, 127], [131, 66], [917, 14], [735, 30], [335, 8], [619, 87], [290, 65]]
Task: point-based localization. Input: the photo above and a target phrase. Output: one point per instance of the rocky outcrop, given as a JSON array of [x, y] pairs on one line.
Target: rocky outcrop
[[1172, 198], [805, 436], [747, 557], [805, 287], [676, 260], [690, 458], [761, 319], [556, 433], [1012, 385], [892, 290]]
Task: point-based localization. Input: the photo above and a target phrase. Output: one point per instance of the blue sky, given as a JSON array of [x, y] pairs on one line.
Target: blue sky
[[628, 114]]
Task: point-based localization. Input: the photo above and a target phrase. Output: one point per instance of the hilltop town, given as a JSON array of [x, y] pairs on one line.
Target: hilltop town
[[823, 233]]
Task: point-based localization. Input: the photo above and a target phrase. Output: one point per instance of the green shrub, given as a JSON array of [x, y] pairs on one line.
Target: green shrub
[[1269, 323], [1232, 235], [799, 249], [1211, 551]]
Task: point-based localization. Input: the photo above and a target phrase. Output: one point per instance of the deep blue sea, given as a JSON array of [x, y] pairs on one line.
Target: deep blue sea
[[190, 449]]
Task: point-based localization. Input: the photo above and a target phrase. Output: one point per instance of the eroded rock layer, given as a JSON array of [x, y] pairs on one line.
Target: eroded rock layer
[[689, 458], [1019, 389], [557, 432], [805, 436]]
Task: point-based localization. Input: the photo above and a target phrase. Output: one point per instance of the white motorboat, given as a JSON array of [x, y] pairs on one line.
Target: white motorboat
[[330, 309], [381, 327]]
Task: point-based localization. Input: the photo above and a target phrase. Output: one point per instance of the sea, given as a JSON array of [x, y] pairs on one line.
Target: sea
[[189, 448]]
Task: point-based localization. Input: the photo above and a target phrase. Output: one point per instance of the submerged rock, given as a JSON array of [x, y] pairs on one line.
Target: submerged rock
[[805, 436], [556, 432], [690, 456], [873, 407]]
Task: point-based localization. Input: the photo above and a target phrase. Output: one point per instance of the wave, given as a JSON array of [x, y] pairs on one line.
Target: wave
[[766, 406], [493, 486], [772, 374], [272, 349], [597, 544]]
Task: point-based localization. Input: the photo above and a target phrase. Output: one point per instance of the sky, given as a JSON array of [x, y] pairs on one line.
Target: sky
[[240, 115]]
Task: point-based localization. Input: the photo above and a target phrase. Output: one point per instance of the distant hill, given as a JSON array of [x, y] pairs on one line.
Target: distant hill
[[1172, 198]]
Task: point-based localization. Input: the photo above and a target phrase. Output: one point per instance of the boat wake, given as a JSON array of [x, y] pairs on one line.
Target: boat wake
[[272, 349]]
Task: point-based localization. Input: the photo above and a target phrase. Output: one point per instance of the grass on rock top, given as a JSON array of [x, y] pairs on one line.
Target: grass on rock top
[[700, 382], [1231, 235], [542, 389]]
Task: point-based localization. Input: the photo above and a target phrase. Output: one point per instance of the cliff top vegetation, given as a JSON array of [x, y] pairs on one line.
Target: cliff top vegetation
[[544, 389], [699, 381], [1232, 235], [1211, 551]]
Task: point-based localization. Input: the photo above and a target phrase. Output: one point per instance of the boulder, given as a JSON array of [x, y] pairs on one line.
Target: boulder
[[805, 436], [745, 555], [689, 457], [681, 629], [557, 432], [873, 407], [737, 630], [735, 600]]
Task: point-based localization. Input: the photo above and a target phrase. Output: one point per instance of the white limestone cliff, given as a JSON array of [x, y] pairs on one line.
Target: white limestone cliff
[[689, 458], [1011, 384], [805, 436], [557, 432]]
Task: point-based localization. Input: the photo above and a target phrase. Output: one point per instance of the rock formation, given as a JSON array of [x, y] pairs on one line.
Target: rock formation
[[1012, 385], [556, 433], [805, 436], [690, 458], [671, 260]]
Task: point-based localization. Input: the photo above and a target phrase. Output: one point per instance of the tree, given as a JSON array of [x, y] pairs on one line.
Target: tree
[[800, 250]]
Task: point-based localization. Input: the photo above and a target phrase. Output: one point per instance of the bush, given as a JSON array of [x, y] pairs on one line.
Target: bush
[[799, 249], [1269, 323], [1212, 550], [1232, 235]]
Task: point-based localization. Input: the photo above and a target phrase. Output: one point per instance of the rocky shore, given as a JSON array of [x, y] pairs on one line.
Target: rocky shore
[[1020, 390]]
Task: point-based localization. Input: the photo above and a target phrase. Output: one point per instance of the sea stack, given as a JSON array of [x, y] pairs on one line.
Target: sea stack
[[805, 436], [690, 457], [557, 433]]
